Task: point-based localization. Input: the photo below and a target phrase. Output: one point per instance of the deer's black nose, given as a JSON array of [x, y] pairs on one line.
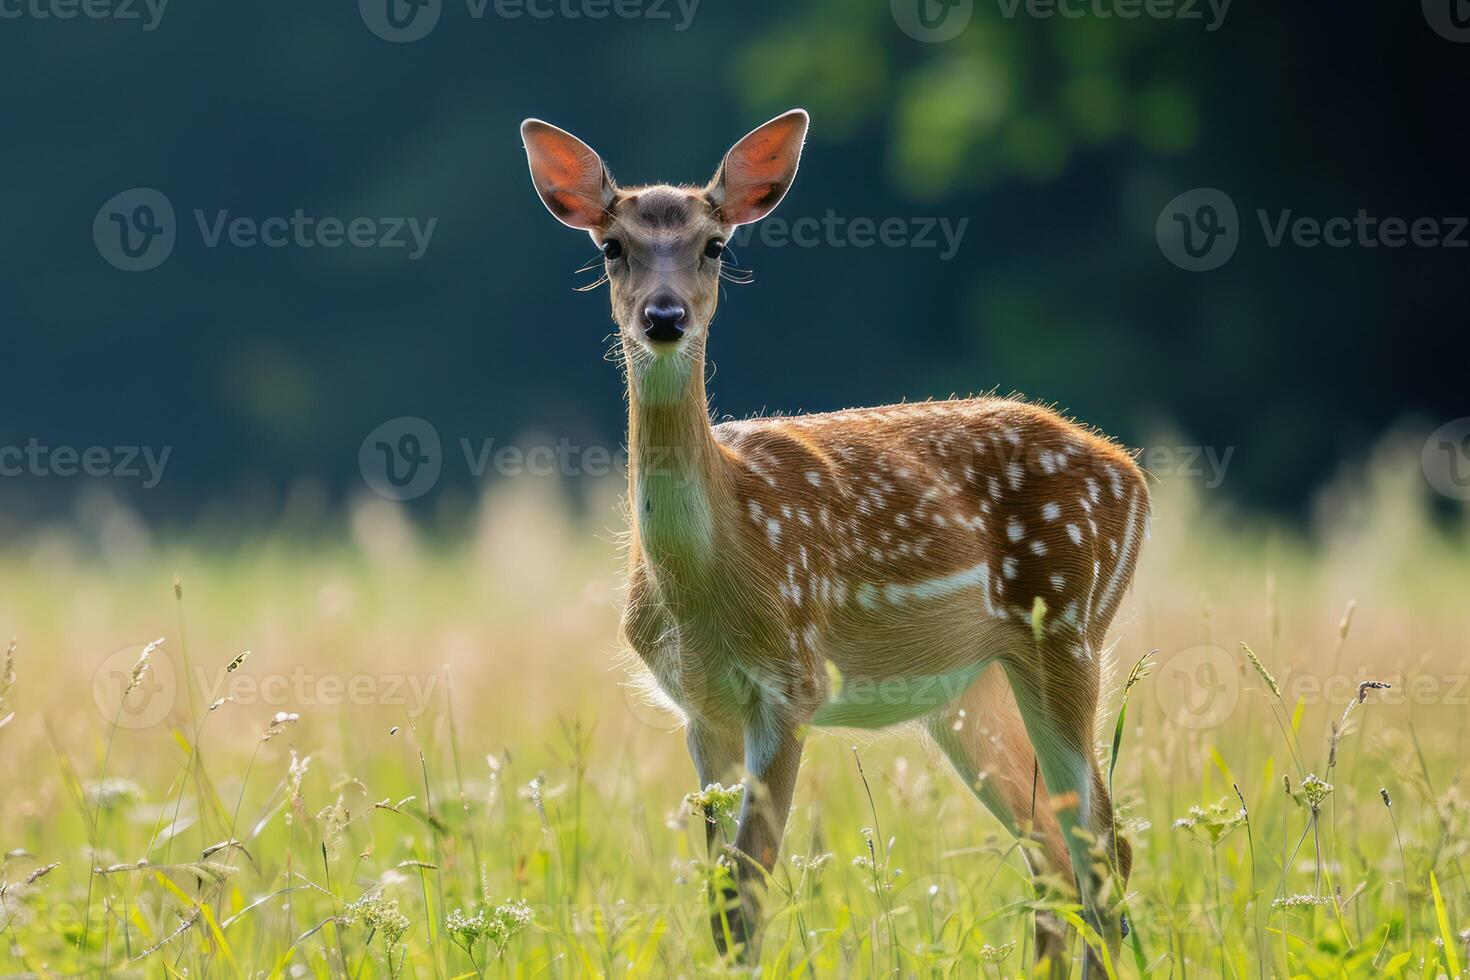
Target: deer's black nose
[[663, 320]]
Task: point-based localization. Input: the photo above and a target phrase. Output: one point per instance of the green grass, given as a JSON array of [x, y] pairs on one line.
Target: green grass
[[470, 787]]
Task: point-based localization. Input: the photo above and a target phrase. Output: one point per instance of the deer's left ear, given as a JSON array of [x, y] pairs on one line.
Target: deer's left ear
[[568, 174], [758, 170]]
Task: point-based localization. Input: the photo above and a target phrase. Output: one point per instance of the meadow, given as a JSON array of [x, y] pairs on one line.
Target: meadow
[[367, 746]]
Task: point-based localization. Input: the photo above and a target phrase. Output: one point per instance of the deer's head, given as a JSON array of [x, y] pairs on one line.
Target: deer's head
[[662, 246]]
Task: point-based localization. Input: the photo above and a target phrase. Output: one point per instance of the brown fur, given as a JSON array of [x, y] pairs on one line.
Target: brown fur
[[985, 542]]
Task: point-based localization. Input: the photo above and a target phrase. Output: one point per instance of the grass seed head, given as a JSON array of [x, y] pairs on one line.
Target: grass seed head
[[1261, 669]]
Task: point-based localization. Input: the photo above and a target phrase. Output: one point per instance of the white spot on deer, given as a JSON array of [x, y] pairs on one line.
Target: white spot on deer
[[814, 478], [1075, 533], [1094, 490], [755, 511], [1008, 567], [773, 531], [1014, 530], [1012, 436], [902, 520], [994, 487], [976, 576], [866, 595], [1038, 547], [786, 511], [1117, 482], [1014, 474], [1058, 582], [1051, 511], [1120, 567]]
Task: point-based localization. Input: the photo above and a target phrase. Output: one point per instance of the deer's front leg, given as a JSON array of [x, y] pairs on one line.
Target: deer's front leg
[[772, 758], [716, 756]]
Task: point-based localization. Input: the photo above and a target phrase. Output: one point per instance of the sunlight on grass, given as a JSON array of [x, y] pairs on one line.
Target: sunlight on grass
[[430, 763]]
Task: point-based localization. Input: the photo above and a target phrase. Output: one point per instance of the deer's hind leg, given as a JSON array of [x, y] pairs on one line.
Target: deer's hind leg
[[1056, 685], [984, 737]]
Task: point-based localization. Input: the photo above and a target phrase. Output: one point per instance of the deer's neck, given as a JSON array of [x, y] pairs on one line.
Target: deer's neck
[[677, 473]]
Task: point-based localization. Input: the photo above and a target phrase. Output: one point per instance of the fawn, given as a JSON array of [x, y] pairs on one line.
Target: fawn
[[912, 548]]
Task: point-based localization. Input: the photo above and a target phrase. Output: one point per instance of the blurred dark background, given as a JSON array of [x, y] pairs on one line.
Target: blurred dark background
[[1060, 139]]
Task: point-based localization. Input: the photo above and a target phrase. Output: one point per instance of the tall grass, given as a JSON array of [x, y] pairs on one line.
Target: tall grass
[[430, 766]]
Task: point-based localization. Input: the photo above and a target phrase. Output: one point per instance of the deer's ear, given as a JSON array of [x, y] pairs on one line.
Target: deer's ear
[[758, 170], [568, 174]]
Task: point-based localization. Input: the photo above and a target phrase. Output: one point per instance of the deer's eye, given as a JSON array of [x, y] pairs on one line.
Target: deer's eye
[[612, 249], [714, 249]]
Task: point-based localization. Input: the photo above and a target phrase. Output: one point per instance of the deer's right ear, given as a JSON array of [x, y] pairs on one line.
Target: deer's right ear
[[569, 176]]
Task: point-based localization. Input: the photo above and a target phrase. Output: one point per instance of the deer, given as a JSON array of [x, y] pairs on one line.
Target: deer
[[951, 566]]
